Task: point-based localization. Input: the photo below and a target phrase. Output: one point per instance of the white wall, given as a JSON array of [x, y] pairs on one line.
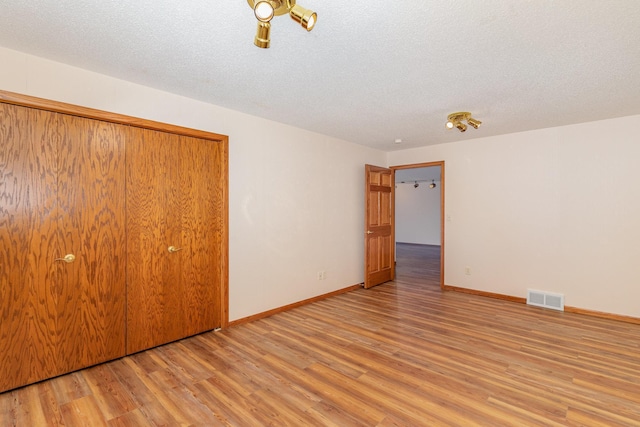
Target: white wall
[[296, 197], [418, 213], [555, 209]]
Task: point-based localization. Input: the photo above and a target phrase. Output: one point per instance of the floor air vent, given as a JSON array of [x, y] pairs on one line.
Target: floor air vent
[[545, 299]]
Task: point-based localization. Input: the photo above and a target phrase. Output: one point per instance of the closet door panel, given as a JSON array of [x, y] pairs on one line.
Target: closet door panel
[[174, 287], [154, 293], [198, 181], [172, 200], [218, 225], [28, 245], [91, 222]]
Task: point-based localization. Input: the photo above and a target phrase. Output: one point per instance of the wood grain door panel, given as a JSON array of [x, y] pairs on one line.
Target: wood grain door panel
[[153, 294], [62, 192], [28, 245], [379, 222], [200, 226], [172, 201], [92, 227]]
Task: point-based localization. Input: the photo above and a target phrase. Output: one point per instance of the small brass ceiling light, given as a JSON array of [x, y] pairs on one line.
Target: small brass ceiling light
[[455, 120], [265, 10], [305, 17], [474, 123], [263, 35]]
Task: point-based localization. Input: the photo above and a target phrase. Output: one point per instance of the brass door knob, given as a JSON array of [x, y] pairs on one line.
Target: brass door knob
[[173, 249], [67, 258], [369, 232]]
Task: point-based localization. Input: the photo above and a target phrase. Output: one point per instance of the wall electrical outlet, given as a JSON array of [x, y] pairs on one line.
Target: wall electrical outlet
[[322, 275], [467, 271]]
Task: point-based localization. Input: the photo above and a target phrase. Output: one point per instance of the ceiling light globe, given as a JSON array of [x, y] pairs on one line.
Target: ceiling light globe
[[264, 11], [449, 125]]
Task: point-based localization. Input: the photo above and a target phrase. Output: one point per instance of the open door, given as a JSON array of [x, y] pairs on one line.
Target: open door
[[379, 241]]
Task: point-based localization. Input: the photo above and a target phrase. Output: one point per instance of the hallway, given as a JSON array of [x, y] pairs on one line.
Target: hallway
[[417, 264]]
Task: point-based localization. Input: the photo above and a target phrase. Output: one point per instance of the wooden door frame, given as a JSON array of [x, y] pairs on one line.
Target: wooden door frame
[[442, 219]]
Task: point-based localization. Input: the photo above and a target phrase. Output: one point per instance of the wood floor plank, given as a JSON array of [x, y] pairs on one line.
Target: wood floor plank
[[49, 404], [83, 412], [145, 399], [330, 416], [70, 387], [404, 353], [26, 409], [134, 418], [110, 395], [229, 406]]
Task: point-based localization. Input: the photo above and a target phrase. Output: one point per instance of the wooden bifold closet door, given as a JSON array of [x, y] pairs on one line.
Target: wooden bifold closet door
[[113, 236], [174, 235], [62, 182]]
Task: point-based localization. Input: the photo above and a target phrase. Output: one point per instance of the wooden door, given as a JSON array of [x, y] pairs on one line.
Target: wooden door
[[201, 230], [60, 193], [172, 201], [379, 226], [91, 226], [154, 309], [27, 246]]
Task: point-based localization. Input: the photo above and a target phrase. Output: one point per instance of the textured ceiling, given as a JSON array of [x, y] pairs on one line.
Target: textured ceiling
[[371, 71]]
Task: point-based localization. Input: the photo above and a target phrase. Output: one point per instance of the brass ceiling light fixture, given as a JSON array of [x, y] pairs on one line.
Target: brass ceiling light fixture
[[265, 10], [455, 120]]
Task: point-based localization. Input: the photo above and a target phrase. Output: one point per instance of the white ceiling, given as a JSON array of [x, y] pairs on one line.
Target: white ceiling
[[371, 71]]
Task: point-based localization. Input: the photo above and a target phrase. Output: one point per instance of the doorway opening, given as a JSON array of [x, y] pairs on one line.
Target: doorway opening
[[419, 223]]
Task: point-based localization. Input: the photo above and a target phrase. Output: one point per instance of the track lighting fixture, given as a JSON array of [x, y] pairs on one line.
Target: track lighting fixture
[[416, 183], [265, 10], [455, 120]]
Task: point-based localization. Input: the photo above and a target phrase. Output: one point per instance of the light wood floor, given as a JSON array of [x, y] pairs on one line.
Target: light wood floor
[[400, 354]]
